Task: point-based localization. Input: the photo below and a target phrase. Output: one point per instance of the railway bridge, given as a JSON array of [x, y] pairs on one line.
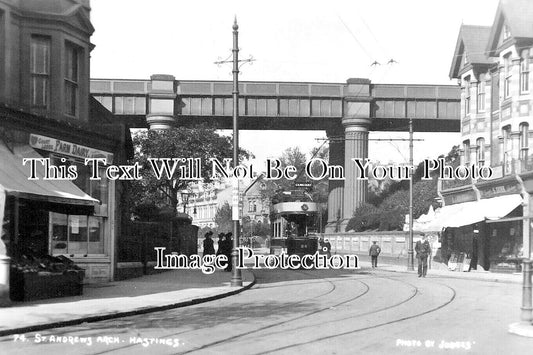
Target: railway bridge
[[348, 110]]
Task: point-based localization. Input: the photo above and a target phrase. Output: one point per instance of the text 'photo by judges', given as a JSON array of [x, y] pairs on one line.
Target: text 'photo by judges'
[[266, 177]]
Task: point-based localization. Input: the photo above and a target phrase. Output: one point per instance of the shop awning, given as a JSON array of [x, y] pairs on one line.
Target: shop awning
[[14, 180], [463, 214]]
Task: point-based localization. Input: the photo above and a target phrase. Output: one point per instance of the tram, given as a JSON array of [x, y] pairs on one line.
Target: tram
[[294, 222]]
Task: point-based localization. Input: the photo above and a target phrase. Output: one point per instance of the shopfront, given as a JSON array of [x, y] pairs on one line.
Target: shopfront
[[86, 238], [59, 232], [485, 233]]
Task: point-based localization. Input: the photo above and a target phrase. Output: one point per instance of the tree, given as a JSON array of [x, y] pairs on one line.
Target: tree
[[367, 217], [223, 218], [387, 208], [201, 142], [295, 157]]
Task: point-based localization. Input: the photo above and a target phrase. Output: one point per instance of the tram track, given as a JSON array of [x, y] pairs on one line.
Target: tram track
[[323, 309], [431, 310], [288, 306], [291, 328], [416, 291], [413, 295], [232, 338]]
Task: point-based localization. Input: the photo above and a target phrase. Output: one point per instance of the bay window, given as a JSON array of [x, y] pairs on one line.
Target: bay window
[[507, 78], [71, 79], [524, 71], [40, 72]]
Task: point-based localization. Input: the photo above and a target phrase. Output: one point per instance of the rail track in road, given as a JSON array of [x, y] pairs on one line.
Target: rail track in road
[[415, 291], [285, 311]]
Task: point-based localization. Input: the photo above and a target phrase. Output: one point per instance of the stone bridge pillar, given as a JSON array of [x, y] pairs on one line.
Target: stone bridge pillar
[[336, 187], [356, 122]]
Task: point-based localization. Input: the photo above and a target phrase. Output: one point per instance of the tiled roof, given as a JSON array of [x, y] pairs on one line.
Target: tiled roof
[[472, 42], [475, 39]]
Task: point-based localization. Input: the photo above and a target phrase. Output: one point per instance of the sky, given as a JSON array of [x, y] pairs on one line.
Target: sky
[[290, 40]]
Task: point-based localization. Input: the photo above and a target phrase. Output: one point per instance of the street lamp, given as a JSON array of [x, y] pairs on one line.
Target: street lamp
[[236, 277], [185, 194]]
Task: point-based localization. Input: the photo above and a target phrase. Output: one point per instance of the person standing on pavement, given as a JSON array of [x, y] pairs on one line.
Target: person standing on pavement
[[423, 250], [209, 248], [374, 253], [227, 249], [220, 243]]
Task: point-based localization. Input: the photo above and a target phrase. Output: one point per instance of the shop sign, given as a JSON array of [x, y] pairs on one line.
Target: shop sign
[[462, 197], [68, 148], [488, 192]]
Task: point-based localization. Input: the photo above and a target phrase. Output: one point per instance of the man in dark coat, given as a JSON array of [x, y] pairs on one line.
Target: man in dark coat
[[220, 243], [227, 248], [209, 248], [374, 252], [423, 250]]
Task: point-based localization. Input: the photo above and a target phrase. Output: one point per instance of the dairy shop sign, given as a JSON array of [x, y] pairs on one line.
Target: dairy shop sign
[[68, 148]]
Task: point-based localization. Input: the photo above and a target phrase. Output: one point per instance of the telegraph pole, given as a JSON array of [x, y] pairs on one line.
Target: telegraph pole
[[410, 258], [236, 277]]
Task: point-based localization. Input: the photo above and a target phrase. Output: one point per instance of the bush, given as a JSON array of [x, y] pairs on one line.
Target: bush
[[367, 216]]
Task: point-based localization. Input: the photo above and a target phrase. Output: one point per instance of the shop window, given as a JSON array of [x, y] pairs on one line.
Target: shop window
[[480, 152], [507, 78], [481, 94], [76, 234], [97, 189], [40, 72], [524, 71], [524, 141], [71, 79]]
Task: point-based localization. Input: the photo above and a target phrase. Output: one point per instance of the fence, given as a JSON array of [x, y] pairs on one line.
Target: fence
[[393, 243], [136, 254]]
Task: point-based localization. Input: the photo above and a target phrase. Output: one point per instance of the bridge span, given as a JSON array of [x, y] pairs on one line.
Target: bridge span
[[349, 110]]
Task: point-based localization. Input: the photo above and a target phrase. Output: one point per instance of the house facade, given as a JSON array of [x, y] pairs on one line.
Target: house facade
[[48, 117], [492, 66]]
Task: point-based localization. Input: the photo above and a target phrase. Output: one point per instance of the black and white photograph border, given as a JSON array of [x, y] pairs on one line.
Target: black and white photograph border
[[258, 177]]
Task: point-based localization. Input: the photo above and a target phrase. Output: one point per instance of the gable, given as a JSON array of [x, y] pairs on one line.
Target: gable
[[78, 18], [501, 35], [515, 15]]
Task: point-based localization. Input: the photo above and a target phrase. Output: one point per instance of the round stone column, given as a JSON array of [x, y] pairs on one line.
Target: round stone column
[[356, 147], [335, 187], [356, 123]]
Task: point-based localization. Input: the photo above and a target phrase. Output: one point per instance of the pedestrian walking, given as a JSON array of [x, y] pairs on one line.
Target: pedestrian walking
[[374, 253], [325, 247], [209, 248], [423, 250]]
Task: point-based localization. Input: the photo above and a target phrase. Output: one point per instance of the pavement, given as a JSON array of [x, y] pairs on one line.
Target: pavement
[[399, 264], [150, 293], [178, 288]]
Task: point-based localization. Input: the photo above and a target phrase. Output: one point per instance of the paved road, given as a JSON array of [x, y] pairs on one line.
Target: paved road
[[311, 312]]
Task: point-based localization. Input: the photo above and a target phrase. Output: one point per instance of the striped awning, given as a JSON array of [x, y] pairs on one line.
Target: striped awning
[[14, 179]]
